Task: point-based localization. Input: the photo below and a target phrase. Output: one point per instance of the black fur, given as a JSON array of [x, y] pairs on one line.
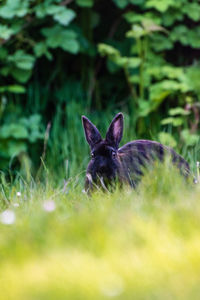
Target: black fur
[[110, 163]]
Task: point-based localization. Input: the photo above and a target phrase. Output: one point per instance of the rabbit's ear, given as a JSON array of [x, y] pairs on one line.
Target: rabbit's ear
[[91, 132], [115, 131]]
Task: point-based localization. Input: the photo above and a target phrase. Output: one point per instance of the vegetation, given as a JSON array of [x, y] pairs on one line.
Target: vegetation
[[61, 59], [58, 243]]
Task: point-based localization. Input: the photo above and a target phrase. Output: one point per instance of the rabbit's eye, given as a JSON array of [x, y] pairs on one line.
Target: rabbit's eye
[[113, 154], [92, 154]]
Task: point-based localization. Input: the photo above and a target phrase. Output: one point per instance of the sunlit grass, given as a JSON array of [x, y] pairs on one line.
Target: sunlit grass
[[141, 244]]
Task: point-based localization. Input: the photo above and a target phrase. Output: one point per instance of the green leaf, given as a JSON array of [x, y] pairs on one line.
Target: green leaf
[[14, 8], [136, 32], [133, 62], [14, 130], [192, 10], [167, 85], [189, 138], [178, 111], [64, 17], [33, 124], [21, 75], [11, 148], [167, 71], [5, 32], [160, 42], [108, 50], [121, 3], [85, 3], [58, 36], [60, 13], [20, 66], [114, 56], [160, 90], [135, 17], [186, 36], [17, 89], [173, 121], [41, 10], [160, 5], [41, 49], [137, 2], [171, 16], [129, 62], [167, 139], [22, 60], [145, 107], [180, 33], [158, 95], [192, 78]]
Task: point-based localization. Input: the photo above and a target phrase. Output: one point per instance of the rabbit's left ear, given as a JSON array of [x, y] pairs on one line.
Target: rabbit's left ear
[[115, 131], [91, 132]]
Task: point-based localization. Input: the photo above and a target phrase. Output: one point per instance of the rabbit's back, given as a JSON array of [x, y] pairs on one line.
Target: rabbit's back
[[136, 155]]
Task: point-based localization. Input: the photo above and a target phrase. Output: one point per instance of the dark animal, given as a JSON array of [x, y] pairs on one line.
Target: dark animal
[[109, 163]]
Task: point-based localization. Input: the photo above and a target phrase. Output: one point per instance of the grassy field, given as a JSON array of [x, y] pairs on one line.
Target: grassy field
[[56, 243]]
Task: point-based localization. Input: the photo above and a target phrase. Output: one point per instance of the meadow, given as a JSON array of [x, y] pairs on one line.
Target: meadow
[[58, 243], [61, 59]]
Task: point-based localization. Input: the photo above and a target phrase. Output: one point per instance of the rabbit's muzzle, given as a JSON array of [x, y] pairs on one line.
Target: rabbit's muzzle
[[101, 174]]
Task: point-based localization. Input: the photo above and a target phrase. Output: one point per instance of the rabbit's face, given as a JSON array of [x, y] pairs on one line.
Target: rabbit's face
[[104, 164]]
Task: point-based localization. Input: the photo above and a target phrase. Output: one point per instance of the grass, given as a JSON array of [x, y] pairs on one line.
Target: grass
[[141, 244]]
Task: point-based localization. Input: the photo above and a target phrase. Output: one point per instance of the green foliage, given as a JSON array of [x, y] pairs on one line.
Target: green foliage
[[121, 3], [5, 32], [161, 6], [167, 139], [61, 59], [16, 8], [142, 59], [17, 89], [19, 62], [60, 37], [121, 61], [60, 14], [16, 136], [85, 3], [156, 79]]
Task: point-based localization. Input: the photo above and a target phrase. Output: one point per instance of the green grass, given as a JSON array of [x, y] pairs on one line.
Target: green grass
[[141, 244]]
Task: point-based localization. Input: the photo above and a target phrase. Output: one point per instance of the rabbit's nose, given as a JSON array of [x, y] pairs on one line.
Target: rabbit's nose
[[102, 169]]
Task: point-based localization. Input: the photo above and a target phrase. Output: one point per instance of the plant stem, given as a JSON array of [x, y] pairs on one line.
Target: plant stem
[[130, 85], [141, 55]]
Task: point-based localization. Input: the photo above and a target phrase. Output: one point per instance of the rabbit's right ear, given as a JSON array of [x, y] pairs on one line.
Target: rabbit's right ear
[[91, 132], [115, 131]]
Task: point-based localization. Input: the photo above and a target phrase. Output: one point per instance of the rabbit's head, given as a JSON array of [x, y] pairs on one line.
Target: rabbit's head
[[104, 164]]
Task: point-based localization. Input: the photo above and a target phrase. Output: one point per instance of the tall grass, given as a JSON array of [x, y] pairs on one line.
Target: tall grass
[[141, 244], [66, 151]]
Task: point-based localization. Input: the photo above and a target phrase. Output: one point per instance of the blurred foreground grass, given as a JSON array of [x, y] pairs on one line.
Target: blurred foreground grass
[[142, 244]]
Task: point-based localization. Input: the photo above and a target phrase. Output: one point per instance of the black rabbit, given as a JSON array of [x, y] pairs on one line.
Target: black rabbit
[[110, 163]]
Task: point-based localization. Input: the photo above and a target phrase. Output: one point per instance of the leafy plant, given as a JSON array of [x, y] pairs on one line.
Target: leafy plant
[[17, 136], [152, 78]]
